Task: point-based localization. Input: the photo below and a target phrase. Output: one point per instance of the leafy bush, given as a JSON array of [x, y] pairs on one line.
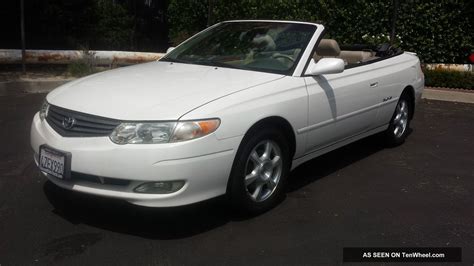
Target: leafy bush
[[439, 31], [80, 69], [381, 38], [449, 79], [103, 24], [84, 67], [114, 26]]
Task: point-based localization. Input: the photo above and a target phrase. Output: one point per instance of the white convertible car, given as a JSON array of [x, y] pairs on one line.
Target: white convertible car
[[229, 111]]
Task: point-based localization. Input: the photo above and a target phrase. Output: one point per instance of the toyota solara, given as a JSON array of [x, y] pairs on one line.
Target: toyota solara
[[230, 111]]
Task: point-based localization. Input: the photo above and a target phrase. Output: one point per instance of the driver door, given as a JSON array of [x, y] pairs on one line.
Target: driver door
[[340, 106]]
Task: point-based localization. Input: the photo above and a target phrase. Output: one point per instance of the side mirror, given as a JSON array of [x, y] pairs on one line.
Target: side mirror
[[325, 66], [170, 49]]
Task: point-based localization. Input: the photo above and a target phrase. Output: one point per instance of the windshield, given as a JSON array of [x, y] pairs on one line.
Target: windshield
[[274, 47]]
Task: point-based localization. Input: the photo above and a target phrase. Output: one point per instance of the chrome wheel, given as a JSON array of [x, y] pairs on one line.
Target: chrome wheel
[[400, 121], [263, 170]]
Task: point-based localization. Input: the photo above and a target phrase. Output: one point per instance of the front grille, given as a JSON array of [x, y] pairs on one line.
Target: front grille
[[70, 123]]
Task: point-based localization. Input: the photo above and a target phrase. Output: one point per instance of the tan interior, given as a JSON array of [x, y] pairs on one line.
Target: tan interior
[[330, 48]]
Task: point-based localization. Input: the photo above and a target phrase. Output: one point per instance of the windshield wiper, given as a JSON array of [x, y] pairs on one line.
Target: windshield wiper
[[174, 60], [205, 62], [214, 63]]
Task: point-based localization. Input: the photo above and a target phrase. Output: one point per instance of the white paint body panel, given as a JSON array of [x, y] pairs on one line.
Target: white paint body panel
[[153, 91], [325, 112]]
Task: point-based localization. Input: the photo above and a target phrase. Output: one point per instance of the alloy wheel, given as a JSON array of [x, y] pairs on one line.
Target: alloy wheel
[[400, 121], [263, 170]]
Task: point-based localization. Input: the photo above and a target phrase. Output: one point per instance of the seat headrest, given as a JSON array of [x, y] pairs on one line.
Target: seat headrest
[[328, 47]]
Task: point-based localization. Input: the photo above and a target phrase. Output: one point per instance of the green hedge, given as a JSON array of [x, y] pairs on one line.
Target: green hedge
[[449, 79], [439, 31]]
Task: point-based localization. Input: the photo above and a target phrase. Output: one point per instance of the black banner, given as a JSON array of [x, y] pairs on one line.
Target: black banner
[[423, 254]]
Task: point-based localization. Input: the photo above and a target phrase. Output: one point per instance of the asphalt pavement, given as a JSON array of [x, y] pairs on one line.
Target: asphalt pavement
[[419, 194]]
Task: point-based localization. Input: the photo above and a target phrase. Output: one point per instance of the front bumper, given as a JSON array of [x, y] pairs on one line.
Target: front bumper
[[203, 163]]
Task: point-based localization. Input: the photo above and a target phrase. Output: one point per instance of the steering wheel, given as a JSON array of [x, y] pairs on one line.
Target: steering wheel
[[284, 56]]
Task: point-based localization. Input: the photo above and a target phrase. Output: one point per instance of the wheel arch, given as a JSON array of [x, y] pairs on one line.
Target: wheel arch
[[278, 122]]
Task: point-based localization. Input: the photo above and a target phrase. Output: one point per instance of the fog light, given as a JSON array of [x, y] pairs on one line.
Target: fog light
[[162, 187]]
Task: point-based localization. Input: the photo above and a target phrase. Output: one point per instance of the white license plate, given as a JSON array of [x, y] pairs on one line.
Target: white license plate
[[53, 162]]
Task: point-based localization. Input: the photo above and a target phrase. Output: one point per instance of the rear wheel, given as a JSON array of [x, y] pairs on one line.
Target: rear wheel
[[400, 122], [261, 166]]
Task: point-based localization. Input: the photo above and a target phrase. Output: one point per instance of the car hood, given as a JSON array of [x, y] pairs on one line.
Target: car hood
[[153, 91]]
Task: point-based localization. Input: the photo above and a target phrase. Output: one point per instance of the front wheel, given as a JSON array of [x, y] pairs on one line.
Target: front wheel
[[400, 122], [261, 166]]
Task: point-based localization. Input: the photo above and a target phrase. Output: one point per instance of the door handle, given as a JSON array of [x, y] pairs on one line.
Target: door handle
[[373, 85]]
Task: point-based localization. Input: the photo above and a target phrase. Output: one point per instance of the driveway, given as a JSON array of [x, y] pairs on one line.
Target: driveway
[[418, 194]]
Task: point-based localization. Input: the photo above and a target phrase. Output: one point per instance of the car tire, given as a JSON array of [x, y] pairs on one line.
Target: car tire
[[259, 172], [400, 123]]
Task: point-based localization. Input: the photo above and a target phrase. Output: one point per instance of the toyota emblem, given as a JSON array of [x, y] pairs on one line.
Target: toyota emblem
[[68, 122]]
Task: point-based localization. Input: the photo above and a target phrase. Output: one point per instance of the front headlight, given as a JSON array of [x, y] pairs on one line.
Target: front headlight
[[141, 133], [44, 110], [162, 132]]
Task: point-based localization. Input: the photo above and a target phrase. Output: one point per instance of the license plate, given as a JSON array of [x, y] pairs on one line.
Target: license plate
[[54, 162]]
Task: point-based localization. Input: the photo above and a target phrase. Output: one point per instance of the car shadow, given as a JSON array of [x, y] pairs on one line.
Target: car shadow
[[181, 222], [120, 216], [333, 161]]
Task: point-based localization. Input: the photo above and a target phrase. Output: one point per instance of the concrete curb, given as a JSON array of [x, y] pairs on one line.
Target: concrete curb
[[446, 95]]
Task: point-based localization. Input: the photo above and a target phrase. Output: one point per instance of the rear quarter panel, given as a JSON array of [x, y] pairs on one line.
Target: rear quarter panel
[[394, 75]]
